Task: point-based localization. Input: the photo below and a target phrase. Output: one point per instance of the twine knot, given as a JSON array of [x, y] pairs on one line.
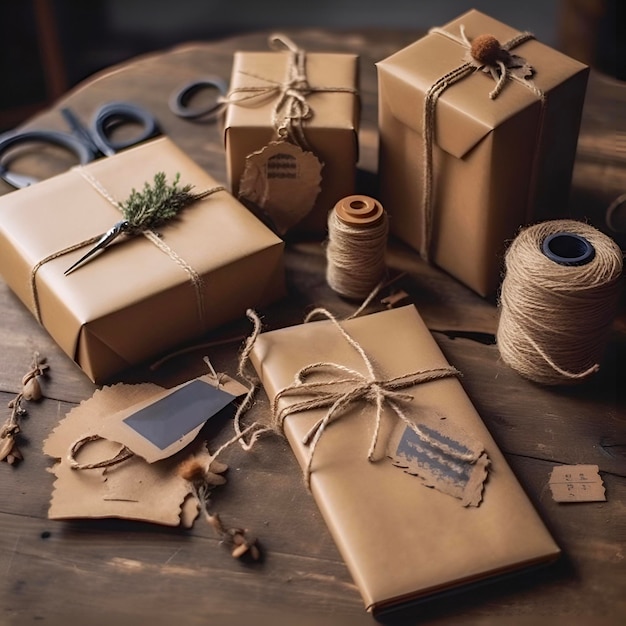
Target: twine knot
[[298, 86], [292, 107]]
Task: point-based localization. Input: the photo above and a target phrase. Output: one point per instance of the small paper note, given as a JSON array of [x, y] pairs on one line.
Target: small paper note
[[393, 299], [282, 180], [577, 483]]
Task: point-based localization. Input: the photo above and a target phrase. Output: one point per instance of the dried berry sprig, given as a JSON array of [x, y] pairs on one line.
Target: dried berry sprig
[[31, 391], [204, 476]]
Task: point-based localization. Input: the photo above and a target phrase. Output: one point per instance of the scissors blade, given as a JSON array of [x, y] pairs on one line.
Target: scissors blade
[[115, 231]]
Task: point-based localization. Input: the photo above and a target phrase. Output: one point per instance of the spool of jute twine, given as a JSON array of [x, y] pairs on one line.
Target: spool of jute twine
[[356, 246], [558, 300]]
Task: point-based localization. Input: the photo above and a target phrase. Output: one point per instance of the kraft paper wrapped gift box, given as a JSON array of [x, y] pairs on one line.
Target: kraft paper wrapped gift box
[[497, 163], [259, 80], [135, 300], [402, 542]]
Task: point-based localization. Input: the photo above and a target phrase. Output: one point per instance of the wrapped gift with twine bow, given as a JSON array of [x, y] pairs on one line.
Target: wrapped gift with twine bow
[[158, 285], [478, 130], [375, 414], [291, 134]]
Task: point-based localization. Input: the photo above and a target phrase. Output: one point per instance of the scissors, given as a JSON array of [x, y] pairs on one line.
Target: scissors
[[86, 143], [180, 99]]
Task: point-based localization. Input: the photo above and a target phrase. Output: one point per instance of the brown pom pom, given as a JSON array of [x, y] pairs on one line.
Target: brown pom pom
[[191, 470], [486, 49]]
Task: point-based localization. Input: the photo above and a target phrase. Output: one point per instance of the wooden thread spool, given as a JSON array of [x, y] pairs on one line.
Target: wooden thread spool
[[356, 246]]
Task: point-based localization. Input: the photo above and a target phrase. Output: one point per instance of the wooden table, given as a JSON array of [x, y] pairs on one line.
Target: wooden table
[[113, 571]]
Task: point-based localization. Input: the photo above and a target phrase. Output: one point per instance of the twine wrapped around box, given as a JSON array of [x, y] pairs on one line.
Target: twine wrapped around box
[[137, 301], [291, 133], [344, 386], [145, 230], [465, 161], [292, 107], [484, 53]]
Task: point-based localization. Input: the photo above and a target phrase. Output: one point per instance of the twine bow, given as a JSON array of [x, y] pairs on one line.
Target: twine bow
[[485, 53], [348, 386], [291, 108]]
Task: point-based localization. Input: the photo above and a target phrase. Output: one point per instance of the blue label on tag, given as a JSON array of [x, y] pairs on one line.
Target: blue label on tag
[[169, 419], [430, 456]]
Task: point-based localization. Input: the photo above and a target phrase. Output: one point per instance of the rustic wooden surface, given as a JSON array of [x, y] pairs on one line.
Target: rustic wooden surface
[[105, 572]]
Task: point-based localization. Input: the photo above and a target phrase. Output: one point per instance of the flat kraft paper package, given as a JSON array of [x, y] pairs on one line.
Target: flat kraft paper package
[[135, 300], [497, 163], [402, 541], [258, 81]]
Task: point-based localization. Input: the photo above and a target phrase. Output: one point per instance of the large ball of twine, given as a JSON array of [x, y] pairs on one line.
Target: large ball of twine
[[554, 319]]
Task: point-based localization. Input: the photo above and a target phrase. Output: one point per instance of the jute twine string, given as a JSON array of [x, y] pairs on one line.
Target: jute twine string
[[123, 454], [149, 234], [613, 208], [500, 71], [355, 255], [337, 387], [555, 319], [291, 108]]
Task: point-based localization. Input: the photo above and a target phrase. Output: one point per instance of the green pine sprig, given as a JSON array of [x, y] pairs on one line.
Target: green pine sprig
[[157, 203]]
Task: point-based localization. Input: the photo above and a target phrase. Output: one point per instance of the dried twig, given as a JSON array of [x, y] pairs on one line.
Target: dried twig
[[204, 476], [31, 391]]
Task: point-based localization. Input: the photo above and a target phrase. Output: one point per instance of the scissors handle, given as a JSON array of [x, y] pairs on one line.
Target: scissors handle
[[86, 144], [179, 100], [84, 152], [114, 114]]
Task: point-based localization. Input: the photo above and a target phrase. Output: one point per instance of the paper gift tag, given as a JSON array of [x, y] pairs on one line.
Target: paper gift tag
[[283, 181], [164, 424], [442, 457]]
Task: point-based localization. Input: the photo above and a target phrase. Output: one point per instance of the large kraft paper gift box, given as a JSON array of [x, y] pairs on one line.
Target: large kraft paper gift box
[[497, 163], [402, 542], [135, 300], [261, 82]]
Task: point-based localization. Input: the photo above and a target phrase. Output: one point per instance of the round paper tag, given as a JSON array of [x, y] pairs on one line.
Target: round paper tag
[[283, 181]]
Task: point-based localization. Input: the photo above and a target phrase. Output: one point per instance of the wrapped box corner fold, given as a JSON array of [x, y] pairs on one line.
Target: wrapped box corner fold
[[401, 541], [135, 301], [497, 163]]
